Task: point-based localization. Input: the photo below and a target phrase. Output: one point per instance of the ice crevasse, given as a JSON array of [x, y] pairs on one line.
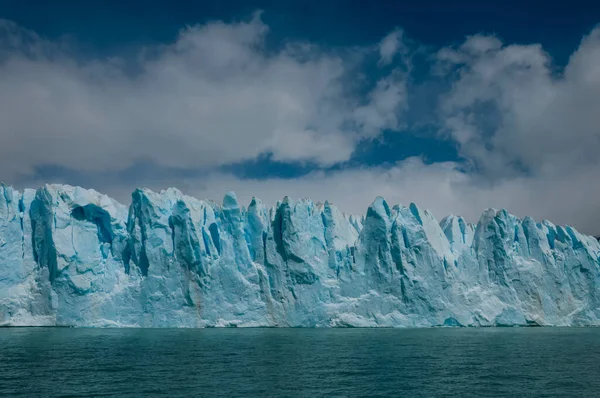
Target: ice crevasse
[[74, 257]]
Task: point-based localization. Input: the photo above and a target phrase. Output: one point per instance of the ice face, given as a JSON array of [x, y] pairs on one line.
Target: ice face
[[75, 257]]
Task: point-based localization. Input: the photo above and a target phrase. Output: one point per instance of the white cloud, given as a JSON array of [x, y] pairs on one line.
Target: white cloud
[[387, 101], [440, 187], [214, 96], [390, 46], [509, 109]]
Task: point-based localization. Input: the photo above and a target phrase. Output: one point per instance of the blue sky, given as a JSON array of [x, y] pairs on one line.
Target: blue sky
[[455, 106]]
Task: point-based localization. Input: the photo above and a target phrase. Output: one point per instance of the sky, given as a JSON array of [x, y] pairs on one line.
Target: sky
[[455, 106]]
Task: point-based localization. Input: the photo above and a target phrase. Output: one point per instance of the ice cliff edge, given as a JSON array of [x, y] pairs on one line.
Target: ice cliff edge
[[75, 257]]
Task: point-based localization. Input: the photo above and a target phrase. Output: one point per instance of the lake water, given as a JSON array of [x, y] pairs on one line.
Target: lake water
[[49, 362]]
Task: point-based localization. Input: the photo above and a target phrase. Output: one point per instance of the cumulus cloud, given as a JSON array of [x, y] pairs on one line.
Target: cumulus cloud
[[527, 130], [214, 96], [511, 111]]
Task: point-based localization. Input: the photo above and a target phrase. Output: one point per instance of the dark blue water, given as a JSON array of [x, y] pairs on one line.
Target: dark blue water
[[53, 362]]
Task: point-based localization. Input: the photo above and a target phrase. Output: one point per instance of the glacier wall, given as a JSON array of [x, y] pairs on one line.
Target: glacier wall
[[75, 257]]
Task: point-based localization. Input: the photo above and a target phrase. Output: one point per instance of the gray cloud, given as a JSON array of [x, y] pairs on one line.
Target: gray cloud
[[212, 97]]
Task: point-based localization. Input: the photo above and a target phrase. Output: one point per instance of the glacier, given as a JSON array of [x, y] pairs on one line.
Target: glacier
[[75, 257]]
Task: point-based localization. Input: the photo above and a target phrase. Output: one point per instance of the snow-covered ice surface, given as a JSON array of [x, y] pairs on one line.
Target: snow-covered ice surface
[[75, 257]]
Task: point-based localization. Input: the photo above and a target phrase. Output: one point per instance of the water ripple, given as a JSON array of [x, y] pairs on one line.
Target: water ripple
[[536, 362]]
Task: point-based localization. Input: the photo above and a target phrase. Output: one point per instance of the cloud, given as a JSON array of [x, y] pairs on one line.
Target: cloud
[[511, 111], [390, 46], [214, 96], [527, 130], [387, 102], [440, 187]]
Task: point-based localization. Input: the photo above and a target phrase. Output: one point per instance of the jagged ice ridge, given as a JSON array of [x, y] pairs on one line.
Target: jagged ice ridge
[[75, 257]]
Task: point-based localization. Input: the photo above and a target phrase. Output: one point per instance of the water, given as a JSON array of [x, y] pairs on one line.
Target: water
[[52, 362]]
